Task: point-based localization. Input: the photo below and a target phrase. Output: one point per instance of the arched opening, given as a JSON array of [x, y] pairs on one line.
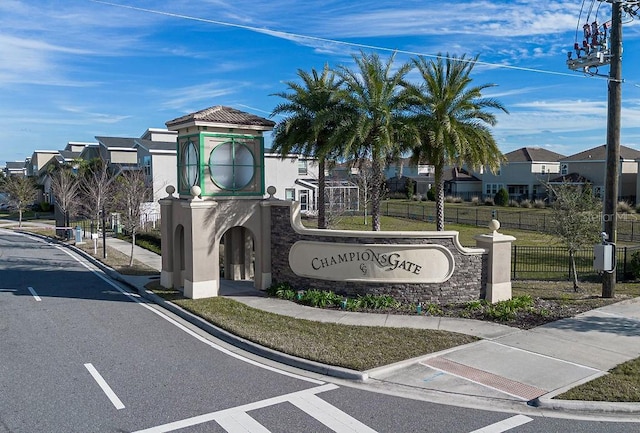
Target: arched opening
[[237, 254], [178, 258]]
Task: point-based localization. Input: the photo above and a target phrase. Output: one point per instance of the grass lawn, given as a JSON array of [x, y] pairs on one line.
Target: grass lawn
[[355, 347], [622, 384]]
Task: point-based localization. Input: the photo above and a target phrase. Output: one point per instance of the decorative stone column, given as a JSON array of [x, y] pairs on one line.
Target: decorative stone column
[[166, 234], [202, 276], [498, 247]]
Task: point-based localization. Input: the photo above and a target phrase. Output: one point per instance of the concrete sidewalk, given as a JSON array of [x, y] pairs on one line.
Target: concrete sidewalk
[[508, 365]]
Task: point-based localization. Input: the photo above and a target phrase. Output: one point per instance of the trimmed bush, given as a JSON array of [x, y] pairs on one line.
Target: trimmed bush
[[539, 204], [431, 194], [502, 197]]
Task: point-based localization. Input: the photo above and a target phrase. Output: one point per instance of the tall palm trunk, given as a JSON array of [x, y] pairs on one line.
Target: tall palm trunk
[[438, 175], [322, 219], [376, 169]]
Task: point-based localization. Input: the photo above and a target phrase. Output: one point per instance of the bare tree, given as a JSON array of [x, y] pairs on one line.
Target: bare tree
[[576, 219], [130, 193], [95, 188], [22, 192], [65, 190]]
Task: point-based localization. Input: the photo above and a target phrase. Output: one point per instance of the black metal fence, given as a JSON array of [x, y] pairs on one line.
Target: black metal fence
[[531, 262], [554, 263], [523, 219]]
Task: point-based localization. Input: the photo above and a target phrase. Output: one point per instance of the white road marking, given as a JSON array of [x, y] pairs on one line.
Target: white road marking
[[136, 298], [241, 423], [505, 425], [105, 386], [232, 412], [34, 294], [329, 415]]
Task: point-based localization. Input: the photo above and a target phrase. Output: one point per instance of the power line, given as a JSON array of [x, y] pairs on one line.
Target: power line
[[277, 33]]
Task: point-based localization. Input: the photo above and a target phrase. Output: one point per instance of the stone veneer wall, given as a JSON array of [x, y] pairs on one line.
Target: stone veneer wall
[[467, 283]]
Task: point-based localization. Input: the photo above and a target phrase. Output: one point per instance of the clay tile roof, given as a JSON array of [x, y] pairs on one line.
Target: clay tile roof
[[222, 114]]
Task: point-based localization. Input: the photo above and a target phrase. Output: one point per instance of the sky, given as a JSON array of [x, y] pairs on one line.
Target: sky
[[72, 70]]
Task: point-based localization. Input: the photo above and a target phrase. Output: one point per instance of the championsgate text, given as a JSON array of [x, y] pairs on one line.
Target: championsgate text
[[390, 261]]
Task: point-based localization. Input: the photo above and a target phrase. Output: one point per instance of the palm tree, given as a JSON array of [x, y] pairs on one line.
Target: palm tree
[[312, 112], [374, 96], [452, 120]]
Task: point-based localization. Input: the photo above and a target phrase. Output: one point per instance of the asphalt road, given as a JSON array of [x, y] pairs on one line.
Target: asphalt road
[[78, 353]]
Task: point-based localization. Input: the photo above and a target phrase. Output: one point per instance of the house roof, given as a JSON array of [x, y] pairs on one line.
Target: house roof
[[599, 153], [68, 155], [15, 165], [457, 174], [533, 154], [570, 178], [222, 114], [117, 142], [162, 146]]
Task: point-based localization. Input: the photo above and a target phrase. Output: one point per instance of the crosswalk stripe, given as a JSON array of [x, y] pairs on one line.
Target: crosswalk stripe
[[241, 422], [505, 425], [329, 415]]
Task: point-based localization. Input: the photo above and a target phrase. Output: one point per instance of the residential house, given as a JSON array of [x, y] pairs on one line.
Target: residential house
[[39, 159], [523, 174], [15, 168], [460, 182], [295, 178], [400, 172], [156, 156], [119, 152], [591, 165]]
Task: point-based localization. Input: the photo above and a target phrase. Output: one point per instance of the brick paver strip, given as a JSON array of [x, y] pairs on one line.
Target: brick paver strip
[[512, 387]]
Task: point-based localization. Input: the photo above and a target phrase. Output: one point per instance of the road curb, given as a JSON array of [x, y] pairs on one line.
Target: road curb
[[585, 406]]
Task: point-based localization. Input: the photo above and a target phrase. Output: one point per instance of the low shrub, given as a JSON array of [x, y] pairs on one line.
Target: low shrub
[[539, 204], [282, 291], [508, 310], [320, 298], [514, 203], [625, 207], [489, 201], [526, 203], [475, 201]]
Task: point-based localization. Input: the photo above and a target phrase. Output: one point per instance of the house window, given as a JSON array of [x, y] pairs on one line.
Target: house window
[[564, 169], [290, 194], [304, 200], [146, 165], [302, 166], [492, 188], [543, 169], [598, 191]]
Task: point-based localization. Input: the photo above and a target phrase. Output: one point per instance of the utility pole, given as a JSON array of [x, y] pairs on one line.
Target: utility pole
[[597, 51], [610, 212]]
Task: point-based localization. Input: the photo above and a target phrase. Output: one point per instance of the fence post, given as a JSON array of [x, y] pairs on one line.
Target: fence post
[[520, 220], [624, 265], [423, 218], [515, 260], [476, 217]]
